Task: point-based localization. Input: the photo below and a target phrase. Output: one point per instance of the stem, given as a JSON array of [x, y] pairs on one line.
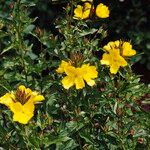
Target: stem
[[70, 16], [25, 135], [120, 133], [79, 141], [5, 87], [20, 42]]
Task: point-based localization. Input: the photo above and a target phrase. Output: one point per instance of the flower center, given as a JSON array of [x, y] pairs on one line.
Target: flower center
[[76, 59], [22, 97]]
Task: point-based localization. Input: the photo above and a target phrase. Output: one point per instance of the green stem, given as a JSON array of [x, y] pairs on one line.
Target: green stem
[[25, 135], [20, 42], [5, 87]]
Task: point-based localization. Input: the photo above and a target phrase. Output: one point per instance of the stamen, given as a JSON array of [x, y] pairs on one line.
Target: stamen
[[22, 97]]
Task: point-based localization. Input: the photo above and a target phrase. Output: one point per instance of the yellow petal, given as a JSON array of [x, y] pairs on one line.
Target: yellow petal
[[37, 98], [114, 68], [90, 82], [67, 82], [106, 58], [78, 12], [109, 46], [7, 99], [117, 44], [89, 74], [22, 88], [86, 10], [102, 11], [22, 113], [79, 83], [22, 118], [28, 91], [82, 12], [122, 62], [28, 107], [112, 45], [127, 49], [62, 66], [114, 60], [70, 70]]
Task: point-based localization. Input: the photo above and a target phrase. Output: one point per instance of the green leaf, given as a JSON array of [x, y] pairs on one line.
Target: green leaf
[[87, 32], [7, 49], [86, 137], [29, 28], [115, 107]]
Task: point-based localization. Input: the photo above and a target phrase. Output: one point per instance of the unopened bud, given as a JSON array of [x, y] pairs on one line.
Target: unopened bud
[[1, 24]]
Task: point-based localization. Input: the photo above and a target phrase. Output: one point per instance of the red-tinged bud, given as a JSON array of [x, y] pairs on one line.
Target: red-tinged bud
[[38, 31], [11, 5], [140, 140], [132, 132]]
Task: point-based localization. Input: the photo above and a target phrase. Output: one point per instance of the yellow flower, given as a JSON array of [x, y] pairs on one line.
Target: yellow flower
[[115, 53], [21, 103], [62, 66], [82, 12], [102, 11], [78, 76], [114, 60]]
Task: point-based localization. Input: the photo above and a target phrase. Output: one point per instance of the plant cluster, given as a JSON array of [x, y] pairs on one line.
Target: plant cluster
[[68, 91]]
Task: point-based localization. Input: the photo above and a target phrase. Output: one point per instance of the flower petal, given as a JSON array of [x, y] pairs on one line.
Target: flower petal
[[70, 71], [86, 10], [22, 113], [106, 59], [90, 82], [89, 74], [122, 61], [127, 49], [7, 99], [79, 82], [82, 12], [29, 107], [36, 97], [67, 82], [114, 68], [78, 12], [62, 66]]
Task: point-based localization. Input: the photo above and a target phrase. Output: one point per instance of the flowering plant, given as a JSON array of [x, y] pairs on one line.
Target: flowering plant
[[85, 95]]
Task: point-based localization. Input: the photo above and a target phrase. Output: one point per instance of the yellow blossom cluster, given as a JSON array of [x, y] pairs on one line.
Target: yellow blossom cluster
[[21, 103], [77, 75], [84, 11], [115, 55]]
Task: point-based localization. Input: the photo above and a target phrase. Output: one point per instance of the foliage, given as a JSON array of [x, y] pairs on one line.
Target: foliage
[[107, 115]]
